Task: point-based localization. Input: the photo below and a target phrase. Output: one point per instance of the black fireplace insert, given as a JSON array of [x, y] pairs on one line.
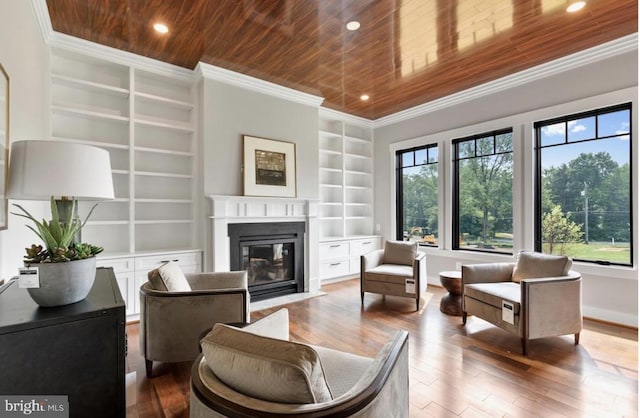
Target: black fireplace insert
[[272, 254]]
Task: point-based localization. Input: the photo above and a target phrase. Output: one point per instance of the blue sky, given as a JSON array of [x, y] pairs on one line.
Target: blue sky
[[614, 123]]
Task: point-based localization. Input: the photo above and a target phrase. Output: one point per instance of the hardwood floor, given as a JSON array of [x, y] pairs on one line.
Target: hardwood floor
[[455, 371]]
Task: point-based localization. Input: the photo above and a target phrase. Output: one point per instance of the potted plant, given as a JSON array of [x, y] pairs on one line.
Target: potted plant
[[66, 268]]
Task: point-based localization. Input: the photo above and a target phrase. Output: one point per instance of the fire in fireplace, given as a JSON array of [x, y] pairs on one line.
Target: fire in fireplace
[[272, 254]]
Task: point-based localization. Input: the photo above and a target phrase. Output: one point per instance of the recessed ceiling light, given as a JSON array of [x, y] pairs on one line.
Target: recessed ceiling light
[[574, 7], [364, 97], [353, 25], [161, 28]]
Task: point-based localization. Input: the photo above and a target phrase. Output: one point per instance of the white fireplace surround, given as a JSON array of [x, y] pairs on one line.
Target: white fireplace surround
[[227, 210]]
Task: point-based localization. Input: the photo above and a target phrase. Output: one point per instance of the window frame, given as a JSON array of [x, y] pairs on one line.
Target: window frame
[[400, 187], [537, 181], [455, 186]]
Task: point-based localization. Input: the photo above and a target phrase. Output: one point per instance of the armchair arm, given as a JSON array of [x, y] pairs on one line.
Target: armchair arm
[[371, 260], [571, 276], [552, 305], [486, 273], [217, 280], [171, 322], [420, 271]]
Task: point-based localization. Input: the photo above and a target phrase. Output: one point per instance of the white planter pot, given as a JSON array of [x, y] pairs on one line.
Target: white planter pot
[[64, 283]]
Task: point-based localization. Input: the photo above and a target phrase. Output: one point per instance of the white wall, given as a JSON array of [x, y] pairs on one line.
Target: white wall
[[22, 53], [609, 293], [229, 112]]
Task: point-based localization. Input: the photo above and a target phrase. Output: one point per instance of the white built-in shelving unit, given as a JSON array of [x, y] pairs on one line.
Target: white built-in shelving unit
[[346, 193], [146, 120]]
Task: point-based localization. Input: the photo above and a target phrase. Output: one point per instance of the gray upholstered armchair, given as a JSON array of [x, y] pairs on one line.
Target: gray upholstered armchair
[[542, 294], [172, 322], [257, 372], [398, 270]]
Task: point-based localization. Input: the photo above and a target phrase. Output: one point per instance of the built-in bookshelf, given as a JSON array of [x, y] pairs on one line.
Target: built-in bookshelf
[[346, 179], [345, 211], [146, 121]]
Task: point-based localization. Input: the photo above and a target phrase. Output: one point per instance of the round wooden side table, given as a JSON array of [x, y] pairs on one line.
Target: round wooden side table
[[451, 304]]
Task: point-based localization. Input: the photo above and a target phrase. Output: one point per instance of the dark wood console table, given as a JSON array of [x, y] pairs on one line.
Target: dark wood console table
[[451, 304], [76, 350]]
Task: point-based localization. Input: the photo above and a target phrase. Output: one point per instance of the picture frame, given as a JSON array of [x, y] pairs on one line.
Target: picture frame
[[269, 167]]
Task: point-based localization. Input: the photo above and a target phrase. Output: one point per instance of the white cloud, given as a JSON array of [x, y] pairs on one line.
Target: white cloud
[[552, 130], [624, 128], [577, 128]]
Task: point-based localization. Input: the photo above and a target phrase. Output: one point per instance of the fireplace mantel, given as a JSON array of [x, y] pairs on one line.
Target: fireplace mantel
[[227, 210]]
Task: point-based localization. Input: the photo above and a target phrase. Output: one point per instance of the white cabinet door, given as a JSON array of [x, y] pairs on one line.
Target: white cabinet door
[[125, 283], [123, 270], [140, 279]]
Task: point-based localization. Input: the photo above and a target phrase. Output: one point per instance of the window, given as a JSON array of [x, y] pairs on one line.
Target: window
[[417, 195], [583, 186], [482, 192]]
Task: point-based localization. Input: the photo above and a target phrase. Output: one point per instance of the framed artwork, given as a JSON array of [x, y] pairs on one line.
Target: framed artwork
[[269, 167]]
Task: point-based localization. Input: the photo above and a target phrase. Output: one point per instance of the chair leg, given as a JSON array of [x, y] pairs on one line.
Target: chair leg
[[418, 303], [464, 318], [361, 298], [149, 367], [524, 346], [577, 338]]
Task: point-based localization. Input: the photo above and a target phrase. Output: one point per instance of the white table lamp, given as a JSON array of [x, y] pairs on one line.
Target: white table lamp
[[41, 169]]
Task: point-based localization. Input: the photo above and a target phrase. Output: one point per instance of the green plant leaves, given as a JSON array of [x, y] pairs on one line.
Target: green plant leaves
[[57, 235]]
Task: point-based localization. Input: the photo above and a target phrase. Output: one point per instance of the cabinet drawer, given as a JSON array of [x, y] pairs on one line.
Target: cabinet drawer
[[334, 250], [334, 269], [118, 264], [152, 262], [363, 246]]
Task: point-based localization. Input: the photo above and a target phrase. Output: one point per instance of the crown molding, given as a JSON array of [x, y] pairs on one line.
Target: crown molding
[[42, 16], [601, 52], [345, 117], [211, 72], [92, 49]]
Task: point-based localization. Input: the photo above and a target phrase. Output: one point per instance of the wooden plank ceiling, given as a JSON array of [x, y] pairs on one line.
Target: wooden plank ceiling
[[406, 52]]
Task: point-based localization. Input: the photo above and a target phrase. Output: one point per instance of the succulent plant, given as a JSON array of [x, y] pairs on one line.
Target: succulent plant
[[57, 236]]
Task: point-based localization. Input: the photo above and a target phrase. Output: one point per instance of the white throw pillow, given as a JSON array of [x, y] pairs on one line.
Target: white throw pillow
[[265, 368], [169, 277], [532, 265], [400, 252]]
